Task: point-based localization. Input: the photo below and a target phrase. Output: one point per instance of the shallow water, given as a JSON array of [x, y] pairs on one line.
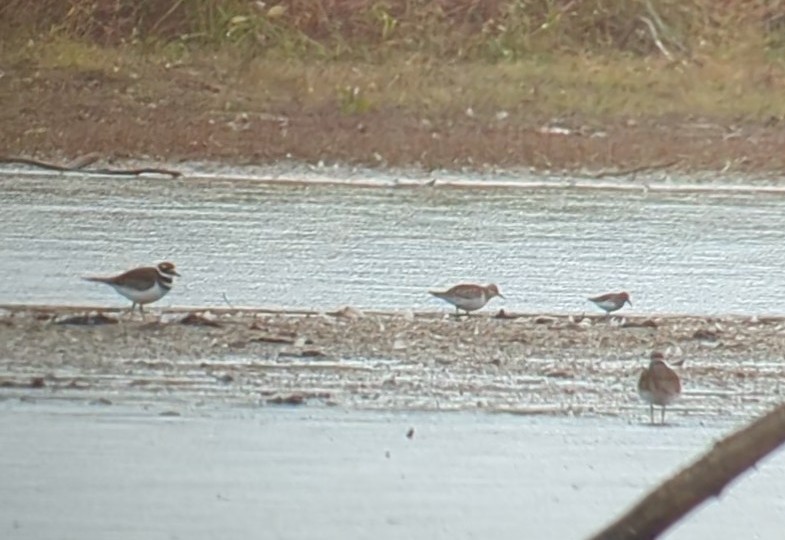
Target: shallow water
[[75, 471], [324, 246]]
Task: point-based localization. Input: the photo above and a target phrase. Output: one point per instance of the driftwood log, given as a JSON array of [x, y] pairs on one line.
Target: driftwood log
[[705, 478], [79, 164]]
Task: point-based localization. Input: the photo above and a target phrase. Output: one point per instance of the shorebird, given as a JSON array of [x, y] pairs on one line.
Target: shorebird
[[611, 301], [142, 285], [467, 296], [658, 385]]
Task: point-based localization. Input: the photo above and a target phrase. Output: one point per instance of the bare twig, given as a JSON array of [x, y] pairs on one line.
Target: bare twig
[[655, 36], [134, 172], [554, 17], [80, 163], [663, 27], [705, 478], [83, 161], [634, 170], [165, 16], [36, 163]]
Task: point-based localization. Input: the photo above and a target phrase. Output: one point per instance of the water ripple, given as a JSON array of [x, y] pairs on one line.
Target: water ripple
[[322, 245]]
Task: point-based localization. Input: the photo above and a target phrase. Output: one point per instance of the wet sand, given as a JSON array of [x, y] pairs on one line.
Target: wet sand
[[528, 364], [80, 471], [258, 424]]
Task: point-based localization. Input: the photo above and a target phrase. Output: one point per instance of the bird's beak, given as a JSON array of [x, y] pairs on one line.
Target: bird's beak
[[628, 301], [500, 295], [175, 273]]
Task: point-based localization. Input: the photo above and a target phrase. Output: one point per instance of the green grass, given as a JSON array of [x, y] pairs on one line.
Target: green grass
[[606, 87], [76, 55], [591, 87]]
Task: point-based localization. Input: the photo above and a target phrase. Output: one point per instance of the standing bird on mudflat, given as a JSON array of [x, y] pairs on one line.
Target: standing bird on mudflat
[[468, 296], [658, 385], [611, 302], [142, 285]]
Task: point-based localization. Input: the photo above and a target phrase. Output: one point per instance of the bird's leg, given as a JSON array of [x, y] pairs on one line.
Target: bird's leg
[[141, 311], [651, 412], [662, 416]]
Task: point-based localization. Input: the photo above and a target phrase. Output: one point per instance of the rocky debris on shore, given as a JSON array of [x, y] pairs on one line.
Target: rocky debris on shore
[[527, 363]]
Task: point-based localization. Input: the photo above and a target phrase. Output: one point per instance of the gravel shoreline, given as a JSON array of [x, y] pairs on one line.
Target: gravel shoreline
[[527, 364]]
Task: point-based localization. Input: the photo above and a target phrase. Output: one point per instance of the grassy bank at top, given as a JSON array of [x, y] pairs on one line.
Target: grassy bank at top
[[741, 88], [594, 58], [370, 30], [434, 82]]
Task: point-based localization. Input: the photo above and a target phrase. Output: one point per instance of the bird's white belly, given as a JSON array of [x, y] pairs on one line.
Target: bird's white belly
[[646, 396], [656, 397], [607, 305], [470, 304], [156, 292]]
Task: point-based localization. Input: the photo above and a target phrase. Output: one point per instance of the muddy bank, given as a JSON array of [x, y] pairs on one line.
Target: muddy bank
[[166, 114], [531, 364]]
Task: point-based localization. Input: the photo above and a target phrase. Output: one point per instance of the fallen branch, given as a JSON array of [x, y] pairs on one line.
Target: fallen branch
[[634, 170], [705, 478], [80, 163]]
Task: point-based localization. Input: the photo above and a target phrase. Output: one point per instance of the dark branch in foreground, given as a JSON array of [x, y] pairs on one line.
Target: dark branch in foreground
[[80, 163], [705, 478]]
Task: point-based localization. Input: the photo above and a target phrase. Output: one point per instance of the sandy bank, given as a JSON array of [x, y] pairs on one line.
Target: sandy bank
[[531, 364]]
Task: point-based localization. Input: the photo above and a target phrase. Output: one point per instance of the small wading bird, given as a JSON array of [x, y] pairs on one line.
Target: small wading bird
[[658, 385], [142, 285], [611, 301], [468, 297]]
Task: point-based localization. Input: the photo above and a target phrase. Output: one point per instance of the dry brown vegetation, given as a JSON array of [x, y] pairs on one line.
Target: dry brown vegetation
[[398, 82], [459, 29]]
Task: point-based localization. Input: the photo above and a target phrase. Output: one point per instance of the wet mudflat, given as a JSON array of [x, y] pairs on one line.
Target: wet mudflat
[[79, 471], [532, 364]]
